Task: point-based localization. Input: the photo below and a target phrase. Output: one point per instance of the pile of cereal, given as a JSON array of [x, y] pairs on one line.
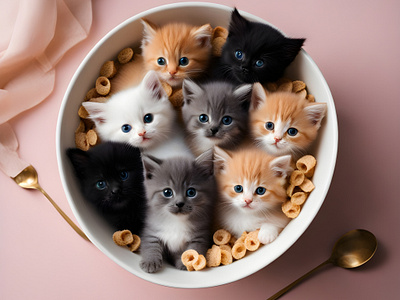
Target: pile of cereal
[[126, 238]]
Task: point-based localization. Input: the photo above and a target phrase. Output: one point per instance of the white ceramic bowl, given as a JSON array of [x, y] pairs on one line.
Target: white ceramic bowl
[[129, 34]]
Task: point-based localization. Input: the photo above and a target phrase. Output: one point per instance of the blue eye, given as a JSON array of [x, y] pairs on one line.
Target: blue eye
[[238, 188], [260, 190], [203, 118], [148, 118], [101, 185], [183, 61], [126, 128], [124, 175], [161, 61], [168, 193], [191, 192], [259, 63], [239, 55], [269, 126], [292, 131], [227, 120]]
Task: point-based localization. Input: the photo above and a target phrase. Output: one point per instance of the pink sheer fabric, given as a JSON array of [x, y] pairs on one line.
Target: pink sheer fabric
[[34, 35]]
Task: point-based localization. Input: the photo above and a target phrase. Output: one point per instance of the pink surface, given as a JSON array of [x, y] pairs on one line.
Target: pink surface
[[356, 46]]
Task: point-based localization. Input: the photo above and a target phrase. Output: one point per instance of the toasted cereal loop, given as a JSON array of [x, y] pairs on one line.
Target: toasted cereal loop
[[290, 210], [125, 55], [217, 45], [167, 88], [200, 263], [82, 112], [103, 86], [91, 94], [108, 69], [251, 242], [307, 186], [298, 86], [177, 98], [232, 241], [299, 198], [221, 237], [302, 93], [310, 98], [213, 256], [296, 178], [226, 248], [306, 164], [238, 250], [241, 238], [123, 237], [189, 256], [220, 32], [99, 99], [272, 86], [81, 141], [81, 127], [91, 137], [136, 243], [226, 257]]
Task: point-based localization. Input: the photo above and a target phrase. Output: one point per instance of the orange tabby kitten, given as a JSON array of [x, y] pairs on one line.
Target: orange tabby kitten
[[177, 51], [252, 189], [283, 122]]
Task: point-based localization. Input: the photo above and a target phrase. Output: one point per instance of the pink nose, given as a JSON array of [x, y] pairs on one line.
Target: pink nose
[[277, 139], [248, 201], [142, 133], [172, 73]]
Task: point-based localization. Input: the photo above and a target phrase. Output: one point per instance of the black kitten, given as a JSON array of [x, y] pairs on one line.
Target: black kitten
[[254, 52], [111, 177]]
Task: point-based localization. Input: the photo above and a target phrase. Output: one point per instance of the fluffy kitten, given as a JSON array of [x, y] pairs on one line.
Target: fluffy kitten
[[111, 178], [255, 52], [283, 122], [180, 194], [176, 50], [141, 115], [251, 185], [215, 114]]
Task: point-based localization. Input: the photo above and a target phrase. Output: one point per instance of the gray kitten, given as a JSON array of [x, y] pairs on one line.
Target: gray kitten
[[215, 114], [180, 193]]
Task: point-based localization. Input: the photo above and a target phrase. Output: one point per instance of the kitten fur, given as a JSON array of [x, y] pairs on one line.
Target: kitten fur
[[284, 123], [255, 52], [177, 222], [110, 176], [184, 50], [252, 170], [225, 109]]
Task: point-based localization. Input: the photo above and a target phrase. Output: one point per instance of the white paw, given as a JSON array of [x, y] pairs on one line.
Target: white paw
[[267, 234]]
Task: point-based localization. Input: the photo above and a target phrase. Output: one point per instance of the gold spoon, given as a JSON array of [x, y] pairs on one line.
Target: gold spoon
[[352, 250], [28, 179]]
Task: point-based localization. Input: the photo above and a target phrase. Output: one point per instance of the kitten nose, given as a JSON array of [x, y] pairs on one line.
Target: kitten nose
[[214, 130], [248, 201], [180, 204], [245, 70], [142, 133], [277, 139], [115, 190]]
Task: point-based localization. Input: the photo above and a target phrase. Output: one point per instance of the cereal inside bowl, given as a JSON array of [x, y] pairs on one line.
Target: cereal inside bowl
[[103, 64]]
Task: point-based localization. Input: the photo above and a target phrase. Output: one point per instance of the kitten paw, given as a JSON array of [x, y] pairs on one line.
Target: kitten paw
[[151, 266], [267, 234]]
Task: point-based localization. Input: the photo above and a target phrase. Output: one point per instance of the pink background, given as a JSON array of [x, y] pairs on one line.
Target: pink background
[[356, 45]]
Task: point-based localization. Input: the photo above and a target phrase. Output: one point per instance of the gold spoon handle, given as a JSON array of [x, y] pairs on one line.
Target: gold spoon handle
[[294, 283], [69, 221]]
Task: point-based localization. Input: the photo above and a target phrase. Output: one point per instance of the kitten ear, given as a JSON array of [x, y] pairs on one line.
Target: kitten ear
[[242, 93], [315, 113], [221, 158], [97, 111], [238, 24], [149, 30], [282, 166], [204, 163], [152, 83], [291, 48], [150, 164], [79, 160], [203, 34], [258, 96], [190, 91]]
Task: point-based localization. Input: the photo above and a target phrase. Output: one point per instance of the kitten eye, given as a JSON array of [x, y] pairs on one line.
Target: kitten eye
[[183, 61], [260, 190], [148, 118], [126, 128], [124, 175], [239, 55], [101, 185], [203, 118], [161, 61], [227, 120], [292, 131], [269, 126], [191, 192], [259, 63], [238, 188], [168, 193]]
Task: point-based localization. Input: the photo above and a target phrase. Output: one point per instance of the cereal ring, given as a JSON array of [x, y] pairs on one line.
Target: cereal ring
[[238, 250], [188, 257], [226, 257], [81, 141], [82, 112], [290, 210], [292, 189], [232, 241], [226, 248], [81, 127], [302, 94], [103, 86], [251, 242], [310, 98], [91, 94], [125, 55], [167, 88], [136, 243], [91, 137], [299, 198], [123, 237], [108, 69], [217, 45], [307, 186], [199, 263], [272, 86], [99, 99], [241, 238], [296, 178], [219, 32], [213, 256], [221, 237], [298, 86], [177, 98], [307, 164]]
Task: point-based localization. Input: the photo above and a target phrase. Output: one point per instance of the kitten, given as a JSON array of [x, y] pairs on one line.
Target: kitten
[[180, 194], [251, 185], [176, 50], [283, 122], [215, 114], [141, 115], [111, 178], [255, 52]]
